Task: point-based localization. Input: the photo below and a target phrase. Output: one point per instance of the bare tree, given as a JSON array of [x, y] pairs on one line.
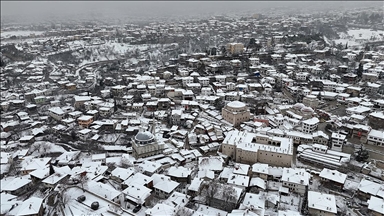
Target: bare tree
[[212, 190], [12, 167], [183, 211], [36, 147], [111, 166], [125, 163], [115, 208], [83, 179], [45, 148], [229, 194], [65, 199]]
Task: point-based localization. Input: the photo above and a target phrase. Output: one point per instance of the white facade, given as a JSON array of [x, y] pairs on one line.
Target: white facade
[[206, 91], [338, 140], [310, 125], [296, 180], [235, 113], [235, 48], [187, 80], [376, 137], [57, 113], [204, 81], [246, 147], [145, 144], [321, 204]]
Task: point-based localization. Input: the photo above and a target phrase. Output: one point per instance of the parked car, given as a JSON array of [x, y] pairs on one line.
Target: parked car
[[81, 198], [136, 209]]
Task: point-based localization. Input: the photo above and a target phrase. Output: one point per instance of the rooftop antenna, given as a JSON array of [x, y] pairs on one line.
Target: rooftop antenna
[[153, 127], [141, 126], [310, 93]]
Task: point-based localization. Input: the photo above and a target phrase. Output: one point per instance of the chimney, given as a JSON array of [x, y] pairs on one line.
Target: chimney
[[30, 206]]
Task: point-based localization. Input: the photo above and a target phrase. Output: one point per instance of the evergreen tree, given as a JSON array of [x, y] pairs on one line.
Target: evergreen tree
[[319, 96], [360, 70], [362, 155], [51, 170], [219, 103]]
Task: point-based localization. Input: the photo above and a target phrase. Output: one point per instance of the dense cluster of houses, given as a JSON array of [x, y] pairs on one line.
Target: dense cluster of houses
[[258, 128]]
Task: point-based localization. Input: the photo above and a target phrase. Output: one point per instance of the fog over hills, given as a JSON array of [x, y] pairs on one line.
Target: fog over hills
[[52, 10]]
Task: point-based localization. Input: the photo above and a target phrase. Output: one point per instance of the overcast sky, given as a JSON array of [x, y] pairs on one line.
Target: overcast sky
[[46, 9]]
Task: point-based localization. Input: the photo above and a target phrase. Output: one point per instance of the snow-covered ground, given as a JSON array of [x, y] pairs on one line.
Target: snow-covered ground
[[345, 41], [111, 50], [356, 37], [73, 207], [291, 202], [8, 34], [43, 147], [351, 185], [366, 34]]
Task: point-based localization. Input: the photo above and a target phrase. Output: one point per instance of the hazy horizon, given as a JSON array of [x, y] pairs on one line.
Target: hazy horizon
[[46, 10]]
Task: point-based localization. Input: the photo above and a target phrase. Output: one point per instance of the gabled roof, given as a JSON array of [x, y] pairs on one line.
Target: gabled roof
[[376, 204], [195, 184], [122, 173], [103, 190], [30, 206], [179, 172], [322, 202], [160, 209], [333, 175], [297, 176], [166, 185], [138, 178], [12, 184], [371, 188], [137, 192]]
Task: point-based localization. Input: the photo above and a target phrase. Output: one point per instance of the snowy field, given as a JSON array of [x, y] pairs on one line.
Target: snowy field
[[366, 34], [113, 50], [20, 33], [76, 208], [356, 37]]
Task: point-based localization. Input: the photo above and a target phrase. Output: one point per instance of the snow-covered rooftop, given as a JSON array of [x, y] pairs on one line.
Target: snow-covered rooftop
[[333, 175], [322, 202]]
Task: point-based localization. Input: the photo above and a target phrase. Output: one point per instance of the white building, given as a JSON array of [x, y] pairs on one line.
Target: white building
[[302, 76], [164, 186], [187, 80], [376, 137], [310, 125], [106, 191], [206, 91], [136, 193], [99, 157], [235, 48], [236, 113], [333, 176], [376, 205], [246, 147], [145, 144], [369, 188], [240, 181], [338, 140], [204, 81], [360, 110], [296, 180], [311, 101], [321, 155], [321, 204], [57, 113]]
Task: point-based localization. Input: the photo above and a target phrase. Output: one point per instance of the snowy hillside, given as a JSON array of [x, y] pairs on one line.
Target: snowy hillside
[[356, 37]]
